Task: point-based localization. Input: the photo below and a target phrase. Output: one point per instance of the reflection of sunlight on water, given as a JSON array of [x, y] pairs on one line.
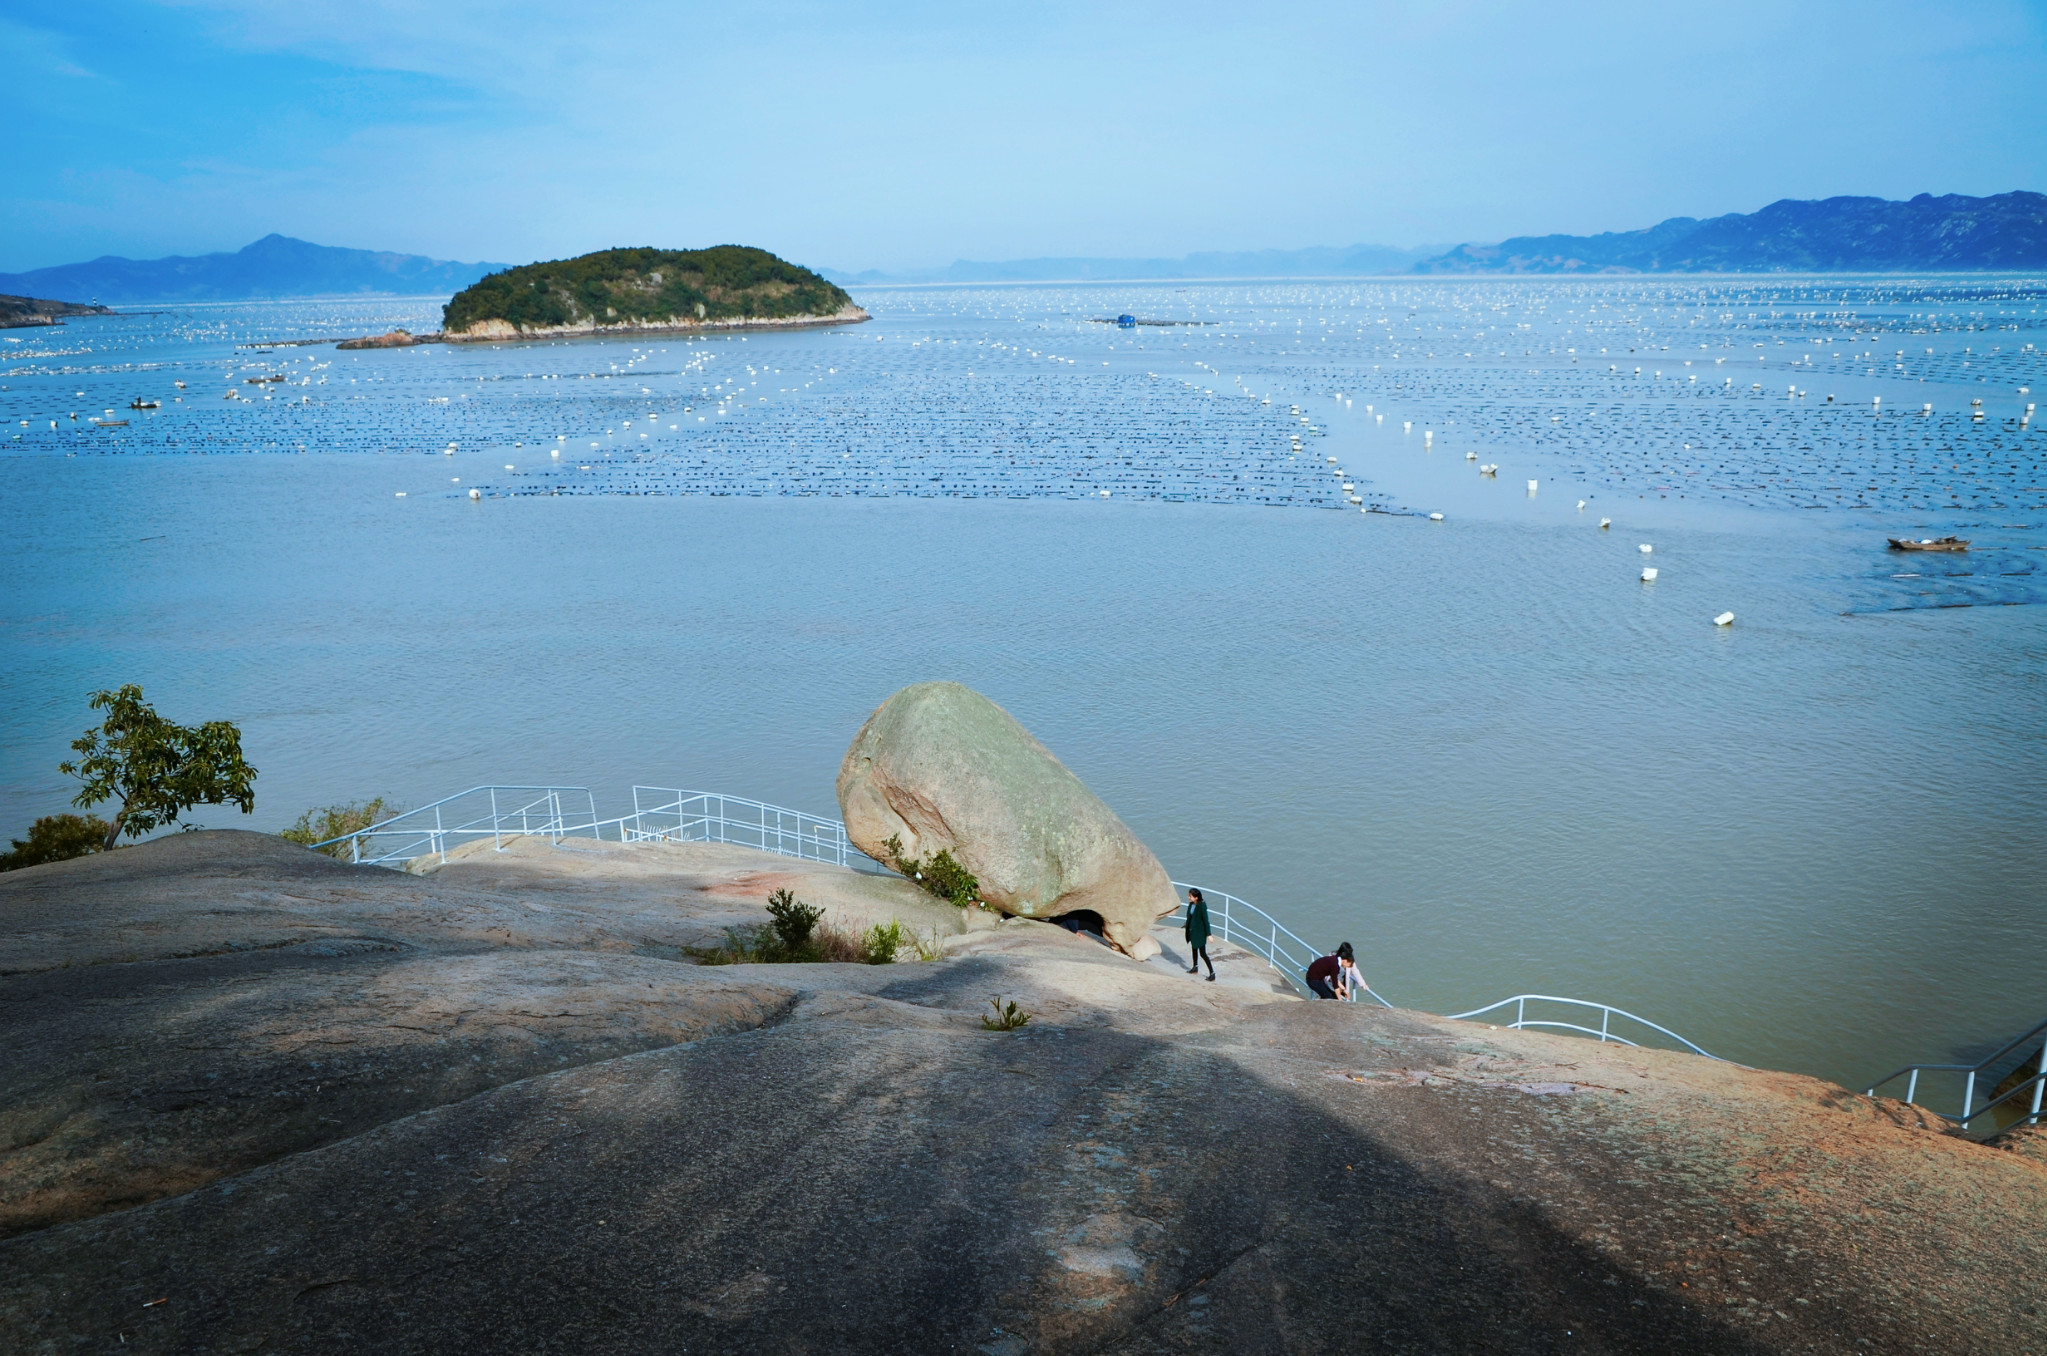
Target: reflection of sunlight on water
[[1019, 392]]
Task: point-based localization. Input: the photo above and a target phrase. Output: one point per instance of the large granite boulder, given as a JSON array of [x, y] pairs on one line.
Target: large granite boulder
[[939, 766]]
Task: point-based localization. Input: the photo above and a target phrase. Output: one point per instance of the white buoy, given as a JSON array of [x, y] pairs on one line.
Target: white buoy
[[1724, 619], [476, 494], [1647, 548], [1605, 522], [1531, 487], [1648, 576], [1471, 456], [1407, 427], [555, 453], [1435, 517], [401, 494]]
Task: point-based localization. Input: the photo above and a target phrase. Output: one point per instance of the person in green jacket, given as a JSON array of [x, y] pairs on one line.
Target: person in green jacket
[[1197, 934]]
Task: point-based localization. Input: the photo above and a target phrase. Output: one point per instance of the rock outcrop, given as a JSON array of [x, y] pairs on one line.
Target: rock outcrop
[[940, 767], [391, 339], [256, 1100]]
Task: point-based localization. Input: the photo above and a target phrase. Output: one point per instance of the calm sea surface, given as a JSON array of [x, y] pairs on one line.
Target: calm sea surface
[[1195, 559]]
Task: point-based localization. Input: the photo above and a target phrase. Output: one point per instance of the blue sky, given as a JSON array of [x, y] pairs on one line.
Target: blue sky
[[857, 136]]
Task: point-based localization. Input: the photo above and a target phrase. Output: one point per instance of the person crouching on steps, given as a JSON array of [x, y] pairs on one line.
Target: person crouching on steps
[[1336, 976], [1197, 934]]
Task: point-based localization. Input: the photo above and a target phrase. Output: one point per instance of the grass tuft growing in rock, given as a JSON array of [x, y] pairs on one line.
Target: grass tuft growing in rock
[[1008, 1016]]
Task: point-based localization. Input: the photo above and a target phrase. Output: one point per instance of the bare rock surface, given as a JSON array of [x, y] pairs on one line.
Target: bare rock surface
[[544, 1131], [940, 767]]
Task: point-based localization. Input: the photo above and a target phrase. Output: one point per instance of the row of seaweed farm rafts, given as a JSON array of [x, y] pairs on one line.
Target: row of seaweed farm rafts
[[665, 814]]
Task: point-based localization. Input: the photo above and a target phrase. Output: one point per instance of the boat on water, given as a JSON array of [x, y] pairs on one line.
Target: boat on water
[[1929, 544], [110, 423], [138, 403]]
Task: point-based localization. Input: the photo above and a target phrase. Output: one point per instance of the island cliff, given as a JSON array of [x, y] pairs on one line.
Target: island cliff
[[646, 290]]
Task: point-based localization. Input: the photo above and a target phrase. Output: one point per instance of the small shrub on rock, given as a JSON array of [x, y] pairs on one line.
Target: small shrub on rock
[[332, 821], [884, 941], [940, 873], [56, 838], [793, 921], [797, 933]]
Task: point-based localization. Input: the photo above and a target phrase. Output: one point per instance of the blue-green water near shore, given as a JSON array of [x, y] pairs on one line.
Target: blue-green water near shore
[[1481, 748]]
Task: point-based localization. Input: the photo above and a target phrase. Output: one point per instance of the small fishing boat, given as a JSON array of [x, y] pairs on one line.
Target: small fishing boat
[[138, 403], [1929, 544]]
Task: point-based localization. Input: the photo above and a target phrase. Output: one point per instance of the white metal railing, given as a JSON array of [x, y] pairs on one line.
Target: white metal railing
[[2018, 1104], [667, 814], [1242, 923], [494, 812], [1604, 1031], [707, 817], [501, 813]]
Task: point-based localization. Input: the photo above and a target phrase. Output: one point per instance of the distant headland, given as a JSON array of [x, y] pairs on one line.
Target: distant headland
[[16, 312], [1954, 233], [629, 291], [273, 268]]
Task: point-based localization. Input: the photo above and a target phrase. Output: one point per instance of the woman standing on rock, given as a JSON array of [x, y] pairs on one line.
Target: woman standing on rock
[[1197, 935]]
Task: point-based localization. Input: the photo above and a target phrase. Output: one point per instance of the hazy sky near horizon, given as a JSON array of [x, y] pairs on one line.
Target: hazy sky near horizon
[[902, 135]]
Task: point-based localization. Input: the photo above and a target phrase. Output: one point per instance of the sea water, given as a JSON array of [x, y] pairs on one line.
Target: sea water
[[1480, 748]]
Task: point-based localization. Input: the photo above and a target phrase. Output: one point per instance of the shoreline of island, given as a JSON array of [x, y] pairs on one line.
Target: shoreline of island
[[504, 332]]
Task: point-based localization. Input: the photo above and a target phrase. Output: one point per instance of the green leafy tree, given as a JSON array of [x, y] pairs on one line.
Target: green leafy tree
[[56, 838], [154, 768]]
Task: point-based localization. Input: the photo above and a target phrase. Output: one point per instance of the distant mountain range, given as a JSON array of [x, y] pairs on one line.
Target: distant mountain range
[[1833, 235], [1321, 262], [1953, 233], [275, 266]]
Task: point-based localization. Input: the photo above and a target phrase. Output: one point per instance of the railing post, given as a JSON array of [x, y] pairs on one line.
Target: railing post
[[440, 836], [1968, 1098], [496, 840], [2040, 1073], [1520, 1012], [1605, 1016], [1912, 1087]]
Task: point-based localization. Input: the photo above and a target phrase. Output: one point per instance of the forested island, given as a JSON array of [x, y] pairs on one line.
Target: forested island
[[724, 287]]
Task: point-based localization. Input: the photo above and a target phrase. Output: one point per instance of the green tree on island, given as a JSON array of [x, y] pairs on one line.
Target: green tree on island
[[155, 768]]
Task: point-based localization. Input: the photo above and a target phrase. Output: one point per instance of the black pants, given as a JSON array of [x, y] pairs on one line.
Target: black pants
[[1200, 954], [1323, 988]]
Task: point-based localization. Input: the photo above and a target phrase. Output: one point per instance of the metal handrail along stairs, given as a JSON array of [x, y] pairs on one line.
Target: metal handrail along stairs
[[2020, 1103], [667, 814]]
